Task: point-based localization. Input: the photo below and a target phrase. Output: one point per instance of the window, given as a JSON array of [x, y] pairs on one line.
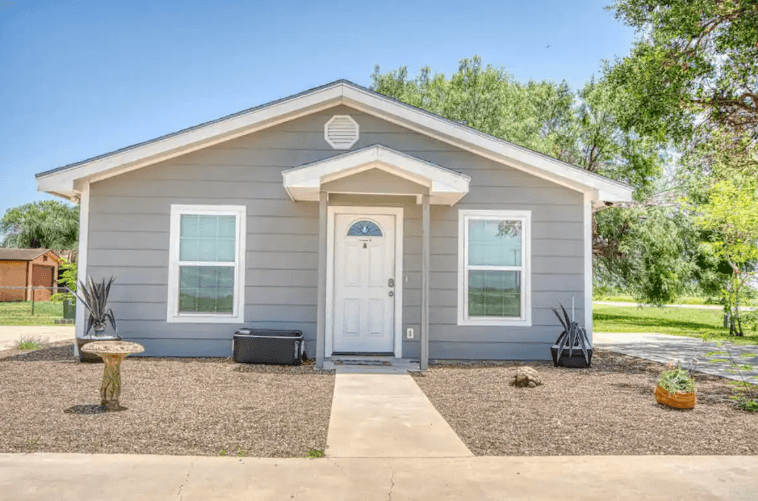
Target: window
[[207, 264], [364, 229], [493, 267]]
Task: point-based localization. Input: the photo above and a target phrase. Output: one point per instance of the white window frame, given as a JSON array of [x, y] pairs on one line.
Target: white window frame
[[525, 216], [238, 309]]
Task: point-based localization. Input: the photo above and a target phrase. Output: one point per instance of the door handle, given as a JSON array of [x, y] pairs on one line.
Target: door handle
[[391, 282]]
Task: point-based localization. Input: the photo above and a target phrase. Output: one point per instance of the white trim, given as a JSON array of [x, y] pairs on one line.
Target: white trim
[[172, 307], [330, 224], [82, 258], [525, 216], [342, 146], [587, 215], [446, 187], [64, 182]]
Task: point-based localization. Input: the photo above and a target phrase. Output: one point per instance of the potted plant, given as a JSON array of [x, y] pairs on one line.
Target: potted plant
[[572, 348], [94, 297], [676, 388]]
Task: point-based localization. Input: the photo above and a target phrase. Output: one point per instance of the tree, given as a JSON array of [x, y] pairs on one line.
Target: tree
[[47, 224], [731, 214], [652, 253], [579, 128], [693, 60]]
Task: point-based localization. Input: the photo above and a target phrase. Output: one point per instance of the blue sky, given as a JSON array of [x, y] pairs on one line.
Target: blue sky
[[80, 77]]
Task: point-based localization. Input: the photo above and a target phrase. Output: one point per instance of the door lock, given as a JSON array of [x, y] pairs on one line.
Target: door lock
[[391, 282], [392, 293]]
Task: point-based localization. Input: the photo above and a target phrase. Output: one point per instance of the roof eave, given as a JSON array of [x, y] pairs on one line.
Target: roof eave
[[66, 181]]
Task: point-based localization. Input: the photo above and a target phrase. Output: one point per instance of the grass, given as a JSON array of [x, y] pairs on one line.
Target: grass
[[30, 343], [682, 300], [689, 322], [315, 453], [20, 313]]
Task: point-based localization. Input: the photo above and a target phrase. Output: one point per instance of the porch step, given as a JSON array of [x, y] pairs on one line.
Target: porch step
[[374, 364], [362, 362]]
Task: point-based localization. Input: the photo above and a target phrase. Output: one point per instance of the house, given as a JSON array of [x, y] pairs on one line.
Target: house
[[370, 225], [25, 268]]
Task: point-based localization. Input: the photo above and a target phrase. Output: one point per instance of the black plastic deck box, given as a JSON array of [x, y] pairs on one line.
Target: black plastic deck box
[[263, 346]]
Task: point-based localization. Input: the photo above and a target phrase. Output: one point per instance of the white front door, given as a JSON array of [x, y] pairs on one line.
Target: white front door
[[364, 283]]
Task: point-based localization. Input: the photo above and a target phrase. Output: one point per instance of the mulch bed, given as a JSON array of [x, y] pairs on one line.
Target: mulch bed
[[608, 409], [49, 402]]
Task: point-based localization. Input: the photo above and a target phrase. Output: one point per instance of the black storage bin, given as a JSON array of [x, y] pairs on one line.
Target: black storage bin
[[262, 346]]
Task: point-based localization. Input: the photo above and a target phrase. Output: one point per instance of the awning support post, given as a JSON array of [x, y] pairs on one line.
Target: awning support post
[[424, 341]]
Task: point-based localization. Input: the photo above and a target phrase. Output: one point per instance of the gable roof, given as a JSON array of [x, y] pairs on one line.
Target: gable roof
[[67, 181], [7, 254], [445, 186]]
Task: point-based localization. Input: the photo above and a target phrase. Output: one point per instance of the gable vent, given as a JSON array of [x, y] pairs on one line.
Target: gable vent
[[341, 132]]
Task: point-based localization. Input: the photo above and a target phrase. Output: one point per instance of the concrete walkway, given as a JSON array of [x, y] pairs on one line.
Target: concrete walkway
[[69, 477], [387, 416], [10, 334], [664, 349]]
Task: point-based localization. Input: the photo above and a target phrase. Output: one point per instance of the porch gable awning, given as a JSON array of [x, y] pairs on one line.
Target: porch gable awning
[[445, 187]]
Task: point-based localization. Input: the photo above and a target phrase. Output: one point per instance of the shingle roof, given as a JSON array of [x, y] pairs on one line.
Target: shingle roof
[[7, 254]]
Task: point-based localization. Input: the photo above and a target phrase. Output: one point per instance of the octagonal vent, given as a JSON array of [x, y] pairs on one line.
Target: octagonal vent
[[341, 132]]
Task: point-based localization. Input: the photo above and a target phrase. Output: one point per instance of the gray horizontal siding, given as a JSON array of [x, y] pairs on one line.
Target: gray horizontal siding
[[129, 238]]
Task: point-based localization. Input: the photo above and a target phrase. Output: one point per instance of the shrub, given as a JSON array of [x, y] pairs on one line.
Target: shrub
[[677, 380]]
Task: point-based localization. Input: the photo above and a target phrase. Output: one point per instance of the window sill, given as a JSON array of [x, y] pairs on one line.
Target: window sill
[[204, 319], [496, 322]]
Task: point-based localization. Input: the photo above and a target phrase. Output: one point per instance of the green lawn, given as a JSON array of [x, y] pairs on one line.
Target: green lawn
[[681, 300], [676, 321], [20, 313]]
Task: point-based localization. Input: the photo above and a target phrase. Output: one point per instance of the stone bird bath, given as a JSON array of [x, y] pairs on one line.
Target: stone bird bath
[[112, 353]]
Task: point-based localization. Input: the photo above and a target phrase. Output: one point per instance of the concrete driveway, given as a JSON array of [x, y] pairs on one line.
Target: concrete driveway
[[66, 477], [664, 348], [10, 334]]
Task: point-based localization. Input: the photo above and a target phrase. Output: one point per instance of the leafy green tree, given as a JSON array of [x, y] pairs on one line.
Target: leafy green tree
[[731, 214], [47, 224], [694, 60], [651, 252], [535, 115], [579, 128]]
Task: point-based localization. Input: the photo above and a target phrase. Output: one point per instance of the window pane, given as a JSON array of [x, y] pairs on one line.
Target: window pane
[[364, 229], [189, 225], [207, 238], [206, 289], [494, 293], [225, 249], [494, 243]]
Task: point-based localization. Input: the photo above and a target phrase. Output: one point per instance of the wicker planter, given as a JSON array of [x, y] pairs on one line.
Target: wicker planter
[[676, 400]]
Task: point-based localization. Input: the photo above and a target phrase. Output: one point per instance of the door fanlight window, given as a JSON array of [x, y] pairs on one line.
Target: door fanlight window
[[364, 229]]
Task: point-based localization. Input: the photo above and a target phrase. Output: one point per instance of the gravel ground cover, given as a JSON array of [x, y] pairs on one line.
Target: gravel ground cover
[[609, 409], [49, 403]]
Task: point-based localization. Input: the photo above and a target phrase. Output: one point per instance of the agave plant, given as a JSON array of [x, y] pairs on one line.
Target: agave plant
[[95, 298], [572, 336]]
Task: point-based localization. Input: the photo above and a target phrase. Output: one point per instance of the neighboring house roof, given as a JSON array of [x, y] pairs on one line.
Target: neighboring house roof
[[7, 254], [67, 181]]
